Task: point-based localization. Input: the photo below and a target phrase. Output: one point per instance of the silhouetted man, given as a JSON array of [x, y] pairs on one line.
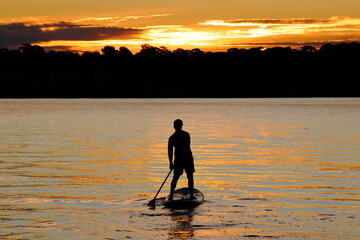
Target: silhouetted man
[[180, 140]]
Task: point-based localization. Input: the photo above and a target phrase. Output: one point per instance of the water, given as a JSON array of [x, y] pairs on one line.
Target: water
[[269, 168]]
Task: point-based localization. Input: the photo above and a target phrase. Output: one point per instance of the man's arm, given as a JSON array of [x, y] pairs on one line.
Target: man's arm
[[171, 153]]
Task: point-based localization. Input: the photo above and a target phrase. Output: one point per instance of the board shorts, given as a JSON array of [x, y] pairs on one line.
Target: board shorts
[[180, 171], [184, 164]]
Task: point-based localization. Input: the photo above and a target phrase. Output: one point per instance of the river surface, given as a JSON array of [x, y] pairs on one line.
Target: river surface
[[269, 168]]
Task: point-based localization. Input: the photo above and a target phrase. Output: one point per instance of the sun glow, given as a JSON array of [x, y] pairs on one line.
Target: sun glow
[[178, 35], [83, 46], [93, 33], [51, 29]]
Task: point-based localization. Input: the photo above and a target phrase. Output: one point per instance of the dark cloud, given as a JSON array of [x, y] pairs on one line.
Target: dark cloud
[[15, 34]]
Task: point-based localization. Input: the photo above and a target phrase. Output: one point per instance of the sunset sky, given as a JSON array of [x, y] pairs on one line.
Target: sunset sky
[[82, 25]]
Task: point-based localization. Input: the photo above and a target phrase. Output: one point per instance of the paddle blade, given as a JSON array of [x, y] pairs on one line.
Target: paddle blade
[[152, 202]]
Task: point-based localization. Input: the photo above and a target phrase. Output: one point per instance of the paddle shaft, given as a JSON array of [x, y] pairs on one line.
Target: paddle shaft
[[162, 185]]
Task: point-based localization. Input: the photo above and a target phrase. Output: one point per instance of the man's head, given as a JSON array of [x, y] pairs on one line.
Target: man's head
[[178, 123]]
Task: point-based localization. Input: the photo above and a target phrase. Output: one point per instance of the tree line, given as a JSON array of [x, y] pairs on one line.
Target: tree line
[[330, 71]]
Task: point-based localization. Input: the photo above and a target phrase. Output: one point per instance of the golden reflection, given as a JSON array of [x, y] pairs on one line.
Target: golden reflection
[[266, 154], [29, 200], [262, 177], [182, 224]]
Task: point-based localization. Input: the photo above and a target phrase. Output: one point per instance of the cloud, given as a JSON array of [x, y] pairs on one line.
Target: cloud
[[281, 21], [302, 29], [289, 21], [116, 20], [253, 28], [15, 34]]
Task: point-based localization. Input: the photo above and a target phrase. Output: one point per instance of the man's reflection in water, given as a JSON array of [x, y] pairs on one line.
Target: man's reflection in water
[[182, 227]]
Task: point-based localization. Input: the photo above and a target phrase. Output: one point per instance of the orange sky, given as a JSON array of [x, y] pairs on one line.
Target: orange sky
[[208, 25]]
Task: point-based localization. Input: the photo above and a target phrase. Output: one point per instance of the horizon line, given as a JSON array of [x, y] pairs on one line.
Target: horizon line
[[249, 46]]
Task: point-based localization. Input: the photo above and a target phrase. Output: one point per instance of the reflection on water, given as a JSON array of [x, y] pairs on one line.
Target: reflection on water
[[269, 168], [182, 227]]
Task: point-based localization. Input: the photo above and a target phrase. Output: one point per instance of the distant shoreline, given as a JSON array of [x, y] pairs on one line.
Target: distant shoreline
[[331, 71]]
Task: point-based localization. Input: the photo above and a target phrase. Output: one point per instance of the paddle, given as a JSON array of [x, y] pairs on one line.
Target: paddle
[[152, 202]]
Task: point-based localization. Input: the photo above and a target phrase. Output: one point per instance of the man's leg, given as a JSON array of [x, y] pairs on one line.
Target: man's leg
[[173, 184], [190, 178]]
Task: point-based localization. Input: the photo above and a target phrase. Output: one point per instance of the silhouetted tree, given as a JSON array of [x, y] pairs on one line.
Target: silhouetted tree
[[29, 49], [4, 51], [278, 51], [148, 50], [236, 51], [274, 72], [109, 51], [90, 54], [124, 52], [308, 48], [196, 52], [181, 52], [164, 51]]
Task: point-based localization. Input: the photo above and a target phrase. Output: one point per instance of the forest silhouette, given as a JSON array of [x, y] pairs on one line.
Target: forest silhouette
[[32, 72]]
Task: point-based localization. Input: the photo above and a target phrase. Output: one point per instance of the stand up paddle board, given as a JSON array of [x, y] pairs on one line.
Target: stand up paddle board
[[181, 199]]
